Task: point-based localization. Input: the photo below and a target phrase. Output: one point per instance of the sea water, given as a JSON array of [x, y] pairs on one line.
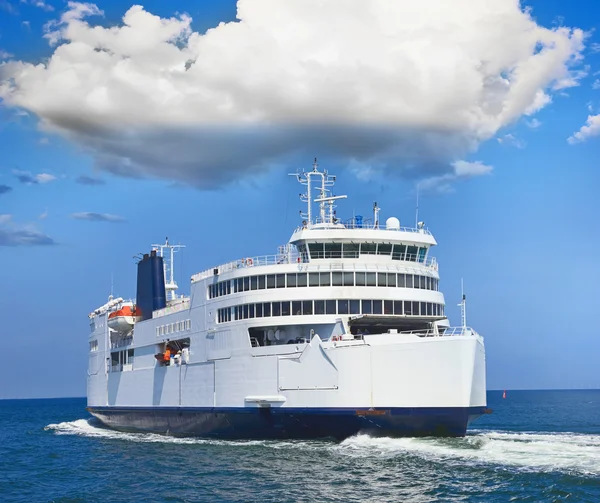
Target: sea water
[[537, 446]]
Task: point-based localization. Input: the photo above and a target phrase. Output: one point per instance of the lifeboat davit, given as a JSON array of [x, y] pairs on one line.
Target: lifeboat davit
[[124, 318]]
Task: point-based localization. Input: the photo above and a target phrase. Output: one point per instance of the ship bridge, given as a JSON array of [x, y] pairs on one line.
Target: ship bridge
[[326, 237]]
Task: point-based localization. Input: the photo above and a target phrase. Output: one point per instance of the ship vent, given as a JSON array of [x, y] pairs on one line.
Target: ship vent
[[150, 285]]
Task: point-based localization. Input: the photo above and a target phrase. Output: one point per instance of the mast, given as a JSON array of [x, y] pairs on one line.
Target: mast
[[463, 306], [327, 181], [169, 266]]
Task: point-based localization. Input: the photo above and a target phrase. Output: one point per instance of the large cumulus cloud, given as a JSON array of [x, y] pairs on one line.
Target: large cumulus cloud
[[404, 86]]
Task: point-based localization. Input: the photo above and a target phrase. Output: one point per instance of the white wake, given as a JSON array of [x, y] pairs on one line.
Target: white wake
[[567, 452], [570, 452]]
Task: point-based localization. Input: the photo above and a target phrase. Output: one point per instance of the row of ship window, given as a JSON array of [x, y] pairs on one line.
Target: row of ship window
[[171, 328], [411, 253], [336, 278], [330, 306]]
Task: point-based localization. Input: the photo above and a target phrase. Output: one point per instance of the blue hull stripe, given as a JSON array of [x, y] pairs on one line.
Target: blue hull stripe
[[286, 422]]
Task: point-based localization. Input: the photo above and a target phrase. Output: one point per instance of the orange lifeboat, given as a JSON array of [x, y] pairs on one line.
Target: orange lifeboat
[[124, 318]]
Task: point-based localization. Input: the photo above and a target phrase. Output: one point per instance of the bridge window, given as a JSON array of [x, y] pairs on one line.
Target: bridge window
[[324, 279], [398, 252], [316, 250], [333, 250], [371, 279], [270, 281], [280, 281], [422, 253], [384, 249], [411, 253], [368, 248], [381, 279], [350, 250], [360, 279], [291, 280]]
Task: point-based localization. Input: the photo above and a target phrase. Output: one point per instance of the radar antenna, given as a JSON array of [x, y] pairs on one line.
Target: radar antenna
[[324, 200]]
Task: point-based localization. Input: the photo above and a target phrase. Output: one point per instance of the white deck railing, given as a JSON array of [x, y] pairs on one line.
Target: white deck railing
[[316, 264], [366, 225], [444, 332]]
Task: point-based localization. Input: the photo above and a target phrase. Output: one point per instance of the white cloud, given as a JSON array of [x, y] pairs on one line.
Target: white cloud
[[595, 47], [400, 85], [44, 215], [5, 55], [533, 123], [461, 170], [97, 217], [512, 140], [28, 178], [591, 128], [39, 3], [13, 234], [596, 84]]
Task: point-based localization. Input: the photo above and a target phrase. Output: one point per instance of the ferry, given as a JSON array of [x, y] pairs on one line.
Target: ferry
[[341, 332]]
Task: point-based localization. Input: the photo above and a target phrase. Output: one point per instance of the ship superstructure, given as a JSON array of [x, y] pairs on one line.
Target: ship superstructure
[[342, 331]]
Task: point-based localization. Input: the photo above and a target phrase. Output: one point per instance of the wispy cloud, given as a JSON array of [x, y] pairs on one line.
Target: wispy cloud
[[97, 217], [7, 6], [39, 3], [17, 235], [89, 180], [5, 55], [512, 140], [591, 128], [31, 179], [462, 170], [533, 123], [44, 215], [595, 47], [23, 237], [4, 189], [596, 84]]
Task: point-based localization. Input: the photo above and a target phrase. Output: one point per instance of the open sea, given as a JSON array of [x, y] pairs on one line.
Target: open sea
[[537, 446]]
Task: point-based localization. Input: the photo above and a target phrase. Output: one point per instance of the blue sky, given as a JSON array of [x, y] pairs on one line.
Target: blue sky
[[90, 177]]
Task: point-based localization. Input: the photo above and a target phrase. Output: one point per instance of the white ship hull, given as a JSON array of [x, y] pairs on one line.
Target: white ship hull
[[388, 384]]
